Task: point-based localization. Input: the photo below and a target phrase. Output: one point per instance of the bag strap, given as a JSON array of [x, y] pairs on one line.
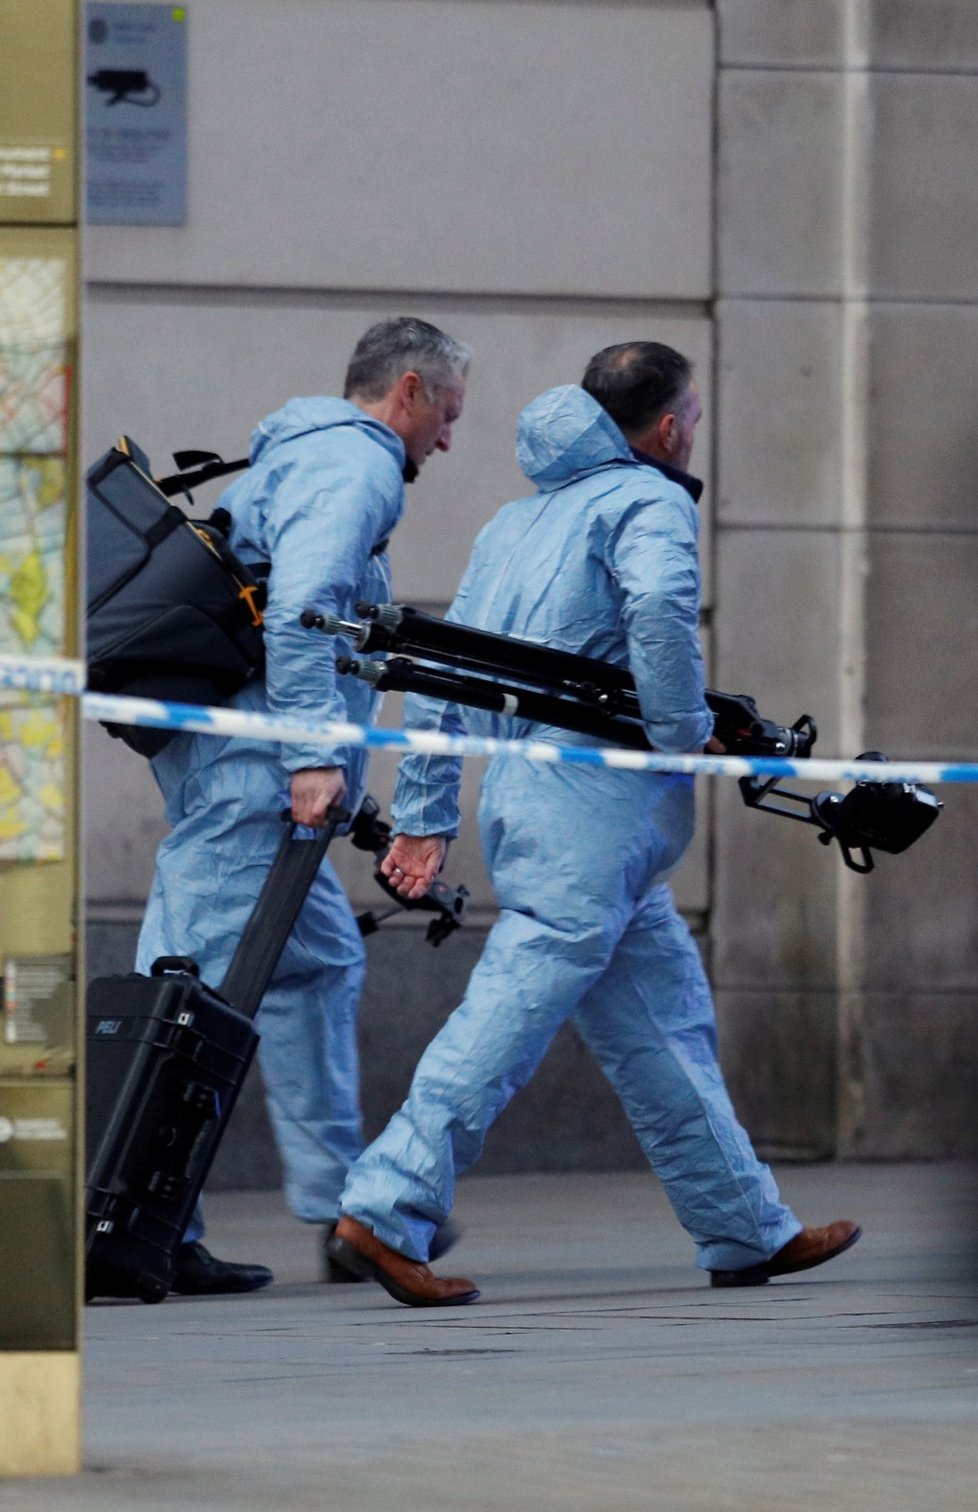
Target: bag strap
[[210, 466], [270, 923]]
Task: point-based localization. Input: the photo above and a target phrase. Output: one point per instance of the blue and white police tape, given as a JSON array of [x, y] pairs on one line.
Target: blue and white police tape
[[251, 725], [59, 675], [42, 674]]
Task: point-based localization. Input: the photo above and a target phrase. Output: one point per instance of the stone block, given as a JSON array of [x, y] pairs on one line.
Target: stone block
[[929, 35], [776, 629], [123, 819], [795, 33], [691, 881], [778, 1051], [922, 214], [211, 367], [110, 947], [776, 636], [922, 438], [921, 1071], [405, 146], [920, 907], [921, 638], [779, 228], [778, 403], [773, 926]]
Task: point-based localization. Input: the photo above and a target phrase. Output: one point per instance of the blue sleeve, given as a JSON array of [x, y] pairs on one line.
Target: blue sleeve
[[652, 556], [426, 796], [327, 511]]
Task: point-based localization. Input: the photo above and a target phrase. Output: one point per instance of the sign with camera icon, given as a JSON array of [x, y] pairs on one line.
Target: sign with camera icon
[[136, 114]]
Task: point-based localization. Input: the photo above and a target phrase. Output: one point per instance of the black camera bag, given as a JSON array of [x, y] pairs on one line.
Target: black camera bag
[[172, 613]]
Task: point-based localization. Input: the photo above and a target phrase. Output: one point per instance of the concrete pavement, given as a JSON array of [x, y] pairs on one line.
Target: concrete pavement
[[598, 1371]]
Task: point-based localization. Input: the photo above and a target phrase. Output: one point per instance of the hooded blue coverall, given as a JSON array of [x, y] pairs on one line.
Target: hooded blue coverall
[[323, 492], [603, 561]]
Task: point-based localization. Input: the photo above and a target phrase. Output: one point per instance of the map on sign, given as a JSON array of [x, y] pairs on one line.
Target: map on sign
[[32, 784], [33, 370], [33, 523], [32, 552]]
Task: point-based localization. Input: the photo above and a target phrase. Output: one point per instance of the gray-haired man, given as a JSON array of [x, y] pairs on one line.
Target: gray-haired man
[[324, 491]]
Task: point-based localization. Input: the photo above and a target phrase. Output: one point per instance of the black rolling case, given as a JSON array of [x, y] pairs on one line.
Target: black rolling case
[[167, 1056]]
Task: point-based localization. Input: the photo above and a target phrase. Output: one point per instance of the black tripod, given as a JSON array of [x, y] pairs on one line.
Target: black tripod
[[578, 693], [513, 677]]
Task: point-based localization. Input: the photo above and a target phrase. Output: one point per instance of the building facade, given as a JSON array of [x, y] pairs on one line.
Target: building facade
[[781, 188]]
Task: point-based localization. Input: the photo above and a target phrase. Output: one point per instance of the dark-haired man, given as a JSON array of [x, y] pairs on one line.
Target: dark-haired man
[[601, 560], [324, 491]]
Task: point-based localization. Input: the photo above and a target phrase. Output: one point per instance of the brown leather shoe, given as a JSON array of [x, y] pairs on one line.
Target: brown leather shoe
[[813, 1246], [357, 1249]]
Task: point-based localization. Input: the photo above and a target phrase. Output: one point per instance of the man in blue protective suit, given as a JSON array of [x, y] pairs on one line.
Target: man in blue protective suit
[[601, 560], [323, 493]]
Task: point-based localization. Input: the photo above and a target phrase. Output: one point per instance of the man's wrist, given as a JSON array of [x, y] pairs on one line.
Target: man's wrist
[[309, 759]]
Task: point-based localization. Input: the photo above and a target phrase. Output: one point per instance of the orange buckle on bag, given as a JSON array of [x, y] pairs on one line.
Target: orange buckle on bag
[[247, 592]]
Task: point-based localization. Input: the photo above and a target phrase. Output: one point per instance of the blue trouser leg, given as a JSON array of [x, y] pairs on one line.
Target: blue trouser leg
[[647, 1015], [224, 807], [308, 1048], [649, 1020], [196, 1228], [404, 1184], [308, 1051], [557, 929]]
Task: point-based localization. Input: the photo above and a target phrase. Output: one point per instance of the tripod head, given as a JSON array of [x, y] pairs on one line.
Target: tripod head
[[884, 816]]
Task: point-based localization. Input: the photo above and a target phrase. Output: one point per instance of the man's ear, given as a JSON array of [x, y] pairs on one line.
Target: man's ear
[[667, 429], [410, 388]]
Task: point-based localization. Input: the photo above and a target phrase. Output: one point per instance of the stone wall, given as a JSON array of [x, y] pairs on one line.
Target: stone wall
[[847, 550]]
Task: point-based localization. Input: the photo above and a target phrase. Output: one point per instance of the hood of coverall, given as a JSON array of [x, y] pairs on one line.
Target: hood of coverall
[[300, 417], [564, 433]]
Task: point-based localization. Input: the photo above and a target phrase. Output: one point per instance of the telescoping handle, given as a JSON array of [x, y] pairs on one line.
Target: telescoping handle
[[270, 923]]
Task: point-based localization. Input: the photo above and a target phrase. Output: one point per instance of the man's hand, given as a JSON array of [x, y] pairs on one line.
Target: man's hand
[[413, 862], [714, 747], [314, 790]]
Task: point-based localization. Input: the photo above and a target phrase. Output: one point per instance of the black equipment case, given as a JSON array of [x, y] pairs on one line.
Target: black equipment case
[[167, 1056]]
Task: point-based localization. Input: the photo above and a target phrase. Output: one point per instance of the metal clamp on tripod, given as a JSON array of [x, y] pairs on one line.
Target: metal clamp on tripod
[[512, 677]]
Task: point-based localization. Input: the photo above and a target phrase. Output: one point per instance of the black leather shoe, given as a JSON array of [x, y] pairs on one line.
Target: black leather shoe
[[196, 1273], [445, 1237]]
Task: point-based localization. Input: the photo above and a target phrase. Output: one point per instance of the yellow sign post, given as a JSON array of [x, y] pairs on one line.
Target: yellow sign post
[[40, 1042]]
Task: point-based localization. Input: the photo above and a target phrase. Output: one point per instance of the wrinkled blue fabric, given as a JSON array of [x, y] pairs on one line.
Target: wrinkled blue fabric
[[324, 490], [601, 560]]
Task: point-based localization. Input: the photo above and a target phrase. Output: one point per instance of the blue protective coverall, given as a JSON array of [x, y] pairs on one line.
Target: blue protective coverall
[[602, 560], [322, 494]]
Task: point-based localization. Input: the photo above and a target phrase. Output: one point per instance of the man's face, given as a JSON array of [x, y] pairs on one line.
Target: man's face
[[426, 424]]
